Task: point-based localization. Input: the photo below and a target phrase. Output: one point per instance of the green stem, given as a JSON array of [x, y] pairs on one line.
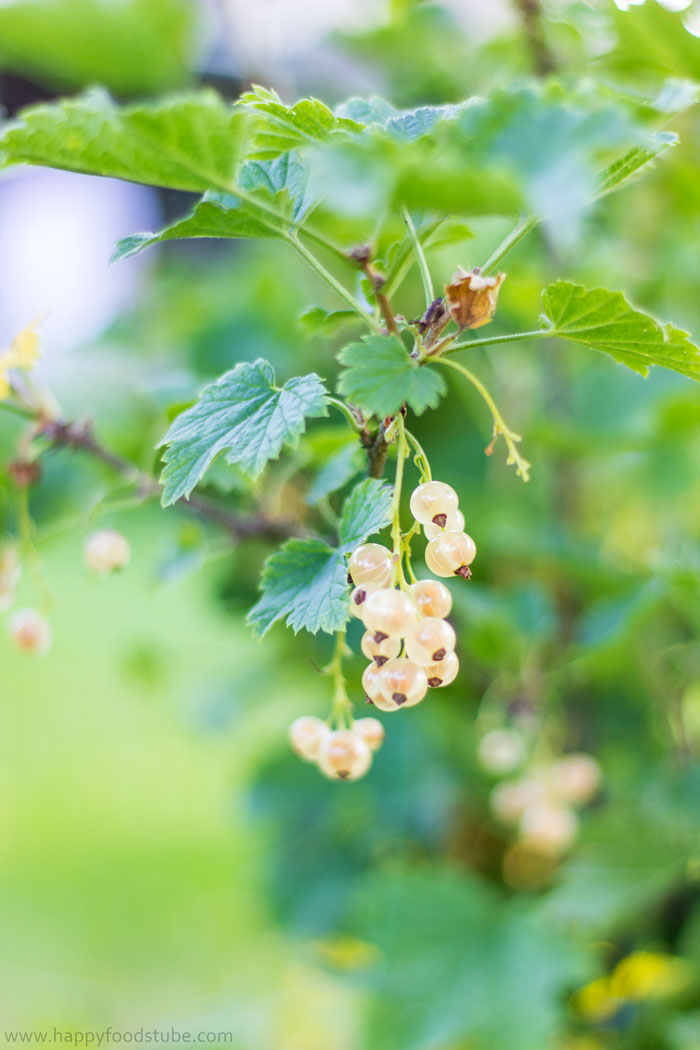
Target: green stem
[[342, 407], [282, 222], [17, 410], [493, 340], [522, 467], [514, 237], [419, 254], [341, 713], [420, 459], [328, 277], [396, 538], [403, 263]]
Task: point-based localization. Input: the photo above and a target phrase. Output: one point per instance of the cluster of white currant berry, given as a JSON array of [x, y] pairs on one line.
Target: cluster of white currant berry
[[407, 638], [342, 754], [541, 803], [104, 552]]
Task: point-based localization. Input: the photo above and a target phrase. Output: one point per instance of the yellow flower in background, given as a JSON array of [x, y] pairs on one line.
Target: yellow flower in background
[[639, 976], [23, 353], [347, 953]]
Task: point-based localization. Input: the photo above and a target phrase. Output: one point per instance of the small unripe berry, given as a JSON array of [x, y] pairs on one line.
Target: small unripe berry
[[344, 755], [388, 611], [444, 672], [432, 502], [431, 598], [403, 682], [371, 730], [547, 828], [379, 651], [305, 736], [359, 596], [450, 554], [30, 631], [454, 523], [106, 551], [430, 640], [575, 778], [370, 563], [501, 751]]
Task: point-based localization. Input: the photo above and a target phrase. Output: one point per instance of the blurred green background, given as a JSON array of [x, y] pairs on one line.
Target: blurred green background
[[164, 859]]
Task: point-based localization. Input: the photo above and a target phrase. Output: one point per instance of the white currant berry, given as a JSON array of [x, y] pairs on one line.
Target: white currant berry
[[575, 778], [444, 672], [431, 598], [359, 596], [430, 640], [510, 799], [370, 683], [370, 563], [379, 651], [403, 682], [501, 751], [344, 755], [548, 828], [305, 736], [389, 612], [106, 551], [454, 523], [451, 554], [30, 631], [432, 502], [371, 730]]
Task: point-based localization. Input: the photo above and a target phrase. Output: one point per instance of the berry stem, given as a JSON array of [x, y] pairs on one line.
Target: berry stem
[[341, 712], [397, 540], [522, 467], [419, 254], [420, 459]]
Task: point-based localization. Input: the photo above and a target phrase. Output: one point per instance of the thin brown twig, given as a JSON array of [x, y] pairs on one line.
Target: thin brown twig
[[542, 56], [81, 437]]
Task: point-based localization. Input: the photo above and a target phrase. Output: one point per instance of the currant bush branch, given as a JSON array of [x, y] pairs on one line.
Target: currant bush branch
[[500, 427]]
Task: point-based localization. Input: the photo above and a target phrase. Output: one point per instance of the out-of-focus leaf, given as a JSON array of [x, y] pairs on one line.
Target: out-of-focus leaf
[[318, 321], [605, 321], [306, 581], [192, 142], [461, 964], [133, 47], [244, 414], [340, 468], [380, 377]]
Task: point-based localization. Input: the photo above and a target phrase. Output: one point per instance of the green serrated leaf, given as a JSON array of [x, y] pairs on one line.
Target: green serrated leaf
[[634, 161], [306, 581], [605, 321], [318, 321], [283, 127], [281, 182], [191, 142], [243, 414], [381, 377]]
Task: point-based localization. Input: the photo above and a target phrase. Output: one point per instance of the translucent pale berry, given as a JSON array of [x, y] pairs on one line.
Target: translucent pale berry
[[382, 650], [106, 551], [450, 554], [431, 597], [433, 501], [371, 730], [344, 755], [370, 563], [430, 640], [575, 778], [305, 736], [30, 631], [444, 672], [501, 751], [548, 828], [403, 682], [370, 683], [510, 799], [359, 596], [454, 523], [388, 611]]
